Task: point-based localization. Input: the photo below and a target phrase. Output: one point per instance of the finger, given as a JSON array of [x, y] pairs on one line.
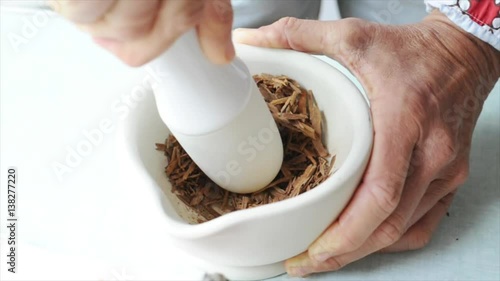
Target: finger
[[452, 167], [421, 232], [82, 11], [299, 265], [426, 164], [336, 39], [214, 31], [449, 179], [302, 265], [127, 20], [416, 237], [378, 195], [173, 19], [390, 230], [290, 33], [437, 190]]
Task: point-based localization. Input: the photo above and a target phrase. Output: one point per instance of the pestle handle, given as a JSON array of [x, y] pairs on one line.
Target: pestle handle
[[219, 117], [196, 96]]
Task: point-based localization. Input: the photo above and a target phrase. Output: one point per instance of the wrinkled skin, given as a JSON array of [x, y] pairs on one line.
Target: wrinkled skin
[[426, 84], [138, 31]]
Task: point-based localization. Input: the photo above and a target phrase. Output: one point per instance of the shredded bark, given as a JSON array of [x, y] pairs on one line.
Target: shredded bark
[[305, 164]]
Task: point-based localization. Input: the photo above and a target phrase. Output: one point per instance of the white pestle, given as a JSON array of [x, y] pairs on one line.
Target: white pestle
[[218, 115]]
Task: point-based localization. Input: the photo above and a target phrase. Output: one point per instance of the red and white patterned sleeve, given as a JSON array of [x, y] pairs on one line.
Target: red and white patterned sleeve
[[478, 17]]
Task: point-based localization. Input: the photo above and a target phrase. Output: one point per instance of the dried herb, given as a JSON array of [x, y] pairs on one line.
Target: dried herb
[[305, 163]]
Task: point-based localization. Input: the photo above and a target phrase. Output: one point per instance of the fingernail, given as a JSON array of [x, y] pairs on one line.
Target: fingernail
[[321, 257], [299, 271]]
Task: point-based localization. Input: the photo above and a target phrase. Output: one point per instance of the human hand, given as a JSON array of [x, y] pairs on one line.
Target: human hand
[[426, 84], [138, 31]]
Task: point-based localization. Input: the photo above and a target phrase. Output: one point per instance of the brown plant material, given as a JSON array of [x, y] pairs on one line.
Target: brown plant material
[[305, 163]]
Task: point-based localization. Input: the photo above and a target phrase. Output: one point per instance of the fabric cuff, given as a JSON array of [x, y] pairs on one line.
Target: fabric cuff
[[457, 11]]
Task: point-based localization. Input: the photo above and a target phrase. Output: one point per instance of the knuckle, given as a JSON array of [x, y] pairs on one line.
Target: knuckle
[[442, 148], [334, 263], [389, 232], [347, 243], [438, 188], [448, 142], [343, 242], [289, 23], [322, 243], [290, 26], [386, 196], [284, 29]]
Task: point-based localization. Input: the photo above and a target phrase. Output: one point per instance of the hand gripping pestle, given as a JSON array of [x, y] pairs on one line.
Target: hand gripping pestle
[[218, 115]]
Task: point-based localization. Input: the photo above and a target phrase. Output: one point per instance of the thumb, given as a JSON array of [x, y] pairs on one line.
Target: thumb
[[331, 38]]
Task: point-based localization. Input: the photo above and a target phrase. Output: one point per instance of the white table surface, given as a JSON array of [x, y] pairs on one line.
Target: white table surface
[[91, 226]]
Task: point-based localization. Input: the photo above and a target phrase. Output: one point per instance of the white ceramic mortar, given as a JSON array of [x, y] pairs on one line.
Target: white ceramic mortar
[[252, 244]]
